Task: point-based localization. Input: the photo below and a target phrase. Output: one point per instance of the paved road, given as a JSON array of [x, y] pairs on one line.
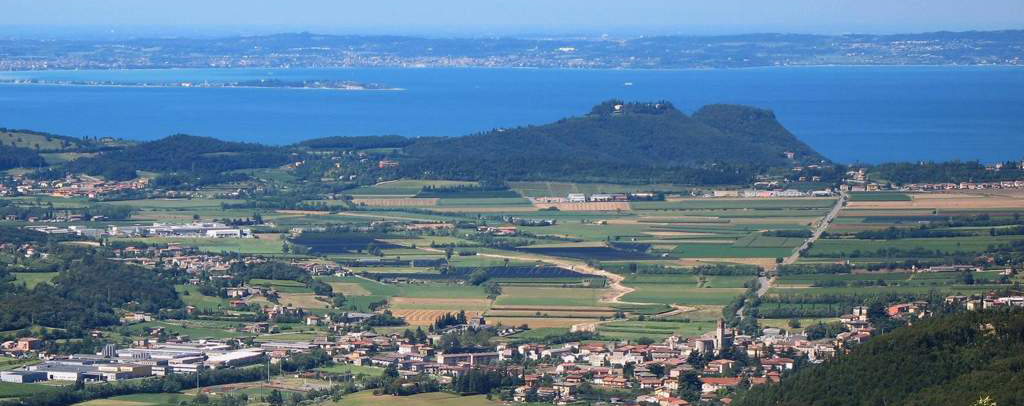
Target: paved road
[[822, 226], [766, 282]]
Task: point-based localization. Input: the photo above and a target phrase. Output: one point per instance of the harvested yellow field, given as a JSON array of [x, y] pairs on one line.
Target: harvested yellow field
[[426, 317], [349, 289], [303, 300], [396, 202], [588, 206]]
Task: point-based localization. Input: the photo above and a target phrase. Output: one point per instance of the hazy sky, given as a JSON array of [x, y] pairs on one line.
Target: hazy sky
[[447, 17]]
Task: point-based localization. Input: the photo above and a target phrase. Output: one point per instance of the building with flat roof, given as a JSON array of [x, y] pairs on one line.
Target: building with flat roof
[[22, 376]]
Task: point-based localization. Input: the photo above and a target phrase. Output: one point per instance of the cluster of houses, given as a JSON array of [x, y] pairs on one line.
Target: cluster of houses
[[974, 303], [71, 186], [27, 250], [556, 374], [562, 369]]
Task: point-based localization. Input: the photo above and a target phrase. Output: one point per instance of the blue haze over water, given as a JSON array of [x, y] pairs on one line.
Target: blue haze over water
[[850, 114]]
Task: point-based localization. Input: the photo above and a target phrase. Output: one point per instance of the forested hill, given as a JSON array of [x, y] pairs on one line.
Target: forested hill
[[617, 141], [180, 153], [953, 360]]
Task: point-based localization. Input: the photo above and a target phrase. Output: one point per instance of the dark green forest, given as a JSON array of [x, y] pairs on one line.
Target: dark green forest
[[951, 360]]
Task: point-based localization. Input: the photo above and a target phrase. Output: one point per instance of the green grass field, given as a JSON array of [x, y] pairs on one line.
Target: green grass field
[[549, 296], [14, 390], [844, 247], [353, 369], [197, 299], [31, 279], [367, 398], [679, 294], [879, 197]]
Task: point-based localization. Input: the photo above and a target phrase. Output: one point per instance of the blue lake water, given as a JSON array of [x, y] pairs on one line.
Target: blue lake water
[[851, 114]]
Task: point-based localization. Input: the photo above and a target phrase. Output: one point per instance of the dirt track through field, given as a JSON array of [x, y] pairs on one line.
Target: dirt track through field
[[616, 290]]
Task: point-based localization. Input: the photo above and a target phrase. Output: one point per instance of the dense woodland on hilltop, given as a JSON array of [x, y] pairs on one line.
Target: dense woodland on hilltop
[[952, 360], [639, 142]]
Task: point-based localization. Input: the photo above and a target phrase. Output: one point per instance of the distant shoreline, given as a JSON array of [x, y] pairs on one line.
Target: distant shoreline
[[583, 69], [178, 86]]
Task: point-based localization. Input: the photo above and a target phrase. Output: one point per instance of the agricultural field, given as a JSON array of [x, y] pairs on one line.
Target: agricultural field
[[879, 197], [367, 398], [655, 330], [854, 248]]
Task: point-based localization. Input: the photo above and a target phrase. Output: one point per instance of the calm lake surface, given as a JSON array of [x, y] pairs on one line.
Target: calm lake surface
[[851, 114]]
